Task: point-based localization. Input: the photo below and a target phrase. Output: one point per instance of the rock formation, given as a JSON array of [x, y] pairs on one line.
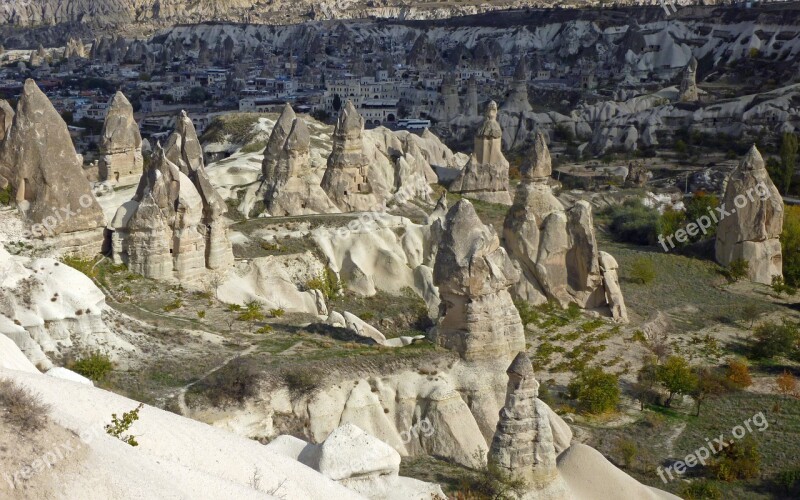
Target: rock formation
[[174, 226], [6, 118], [477, 316], [346, 179], [74, 48], [638, 175], [286, 170], [46, 174], [449, 105], [752, 229], [555, 249], [517, 101], [485, 177], [120, 144], [472, 98], [688, 90], [184, 150], [523, 443]]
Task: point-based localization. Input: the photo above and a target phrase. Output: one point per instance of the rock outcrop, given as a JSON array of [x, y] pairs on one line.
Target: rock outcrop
[[6, 118], [485, 177], [638, 175], [286, 170], [688, 90], [523, 443], [184, 150], [752, 229], [121, 159], [517, 101], [477, 316], [39, 160], [346, 179], [174, 226], [555, 248]]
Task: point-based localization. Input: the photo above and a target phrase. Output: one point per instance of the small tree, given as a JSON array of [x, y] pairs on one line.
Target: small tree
[[788, 153], [737, 270], [252, 313], [119, 426], [739, 460], [595, 391], [780, 287], [709, 384], [677, 378], [628, 450], [774, 339], [644, 387]]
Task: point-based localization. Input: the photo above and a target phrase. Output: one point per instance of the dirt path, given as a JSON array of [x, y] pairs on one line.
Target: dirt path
[[676, 433]]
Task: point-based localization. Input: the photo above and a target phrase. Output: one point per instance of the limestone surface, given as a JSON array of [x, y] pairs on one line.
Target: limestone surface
[[753, 228]]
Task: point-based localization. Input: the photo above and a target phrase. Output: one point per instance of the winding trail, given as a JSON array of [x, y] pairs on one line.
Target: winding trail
[[676, 433]]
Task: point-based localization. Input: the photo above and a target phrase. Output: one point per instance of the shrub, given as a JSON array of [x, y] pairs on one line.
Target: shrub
[[739, 460], [95, 366], [773, 339], [643, 270], [628, 450], [265, 329], [633, 222], [789, 481], [595, 391], [490, 481], [328, 283], [787, 384], [738, 374], [22, 408], [700, 490], [201, 314], [6, 195], [277, 312], [119, 426], [300, 380], [172, 306], [737, 270], [236, 381], [780, 286]]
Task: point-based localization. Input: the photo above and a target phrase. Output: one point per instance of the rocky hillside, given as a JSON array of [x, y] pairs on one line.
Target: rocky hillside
[[145, 14]]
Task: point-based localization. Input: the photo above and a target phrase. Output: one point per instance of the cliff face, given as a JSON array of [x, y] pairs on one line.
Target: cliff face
[[151, 14]]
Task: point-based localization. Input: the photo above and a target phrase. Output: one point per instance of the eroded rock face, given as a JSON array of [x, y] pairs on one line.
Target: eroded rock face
[[523, 442], [120, 143], [286, 170], [477, 316], [638, 175], [517, 101], [555, 248], [688, 90], [752, 232], [6, 118], [183, 149], [485, 177], [174, 226], [346, 179], [39, 160]]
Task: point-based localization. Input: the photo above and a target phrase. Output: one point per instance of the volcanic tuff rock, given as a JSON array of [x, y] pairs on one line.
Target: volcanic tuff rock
[[45, 172], [286, 170], [688, 90], [555, 249], [477, 316], [120, 143], [6, 118], [485, 177], [523, 443], [347, 181], [517, 101], [184, 150], [753, 228]]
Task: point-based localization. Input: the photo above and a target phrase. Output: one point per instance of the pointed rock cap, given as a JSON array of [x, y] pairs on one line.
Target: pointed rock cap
[[472, 82], [521, 366], [299, 139], [491, 111], [752, 160], [287, 117], [119, 101], [350, 121], [692, 64], [490, 129], [538, 165]]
